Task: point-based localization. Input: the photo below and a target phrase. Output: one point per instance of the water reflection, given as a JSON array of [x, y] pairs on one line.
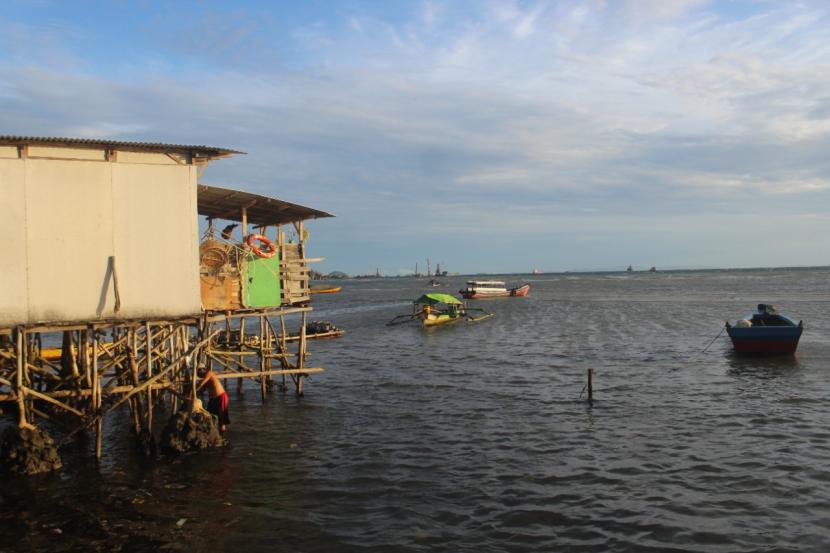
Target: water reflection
[[762, 366]]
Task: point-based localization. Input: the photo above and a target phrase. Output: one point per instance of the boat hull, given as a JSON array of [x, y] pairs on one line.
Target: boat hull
[[765, 340], [316, 335], [328, 290], [478, 294], [435, 320]]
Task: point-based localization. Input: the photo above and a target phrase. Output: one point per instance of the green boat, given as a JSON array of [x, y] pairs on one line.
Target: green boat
[[437, 309]]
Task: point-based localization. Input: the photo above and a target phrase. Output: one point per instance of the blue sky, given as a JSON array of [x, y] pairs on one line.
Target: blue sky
[[491, 136]]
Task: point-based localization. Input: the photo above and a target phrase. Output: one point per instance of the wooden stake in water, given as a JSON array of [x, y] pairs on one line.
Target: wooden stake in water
[[591, 385]]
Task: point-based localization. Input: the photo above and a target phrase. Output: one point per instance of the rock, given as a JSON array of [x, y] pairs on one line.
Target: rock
[[28, 451], [186, 431]]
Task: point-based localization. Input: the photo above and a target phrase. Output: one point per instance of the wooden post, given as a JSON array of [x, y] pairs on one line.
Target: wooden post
[[149, 367], [83, 346], [174, 398], [21, 368], [283, 337], [96, 398], [301, 355], [591, 385], [135, 402], [262, 358], [244, 223], [241, 347]]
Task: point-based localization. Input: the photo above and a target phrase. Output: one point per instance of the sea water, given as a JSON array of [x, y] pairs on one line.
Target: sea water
[[478, 436]]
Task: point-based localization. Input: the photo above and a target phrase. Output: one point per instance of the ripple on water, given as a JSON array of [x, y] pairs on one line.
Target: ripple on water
[[474, 438]]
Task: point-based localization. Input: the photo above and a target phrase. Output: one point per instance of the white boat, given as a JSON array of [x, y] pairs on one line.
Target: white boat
[[477, 289]]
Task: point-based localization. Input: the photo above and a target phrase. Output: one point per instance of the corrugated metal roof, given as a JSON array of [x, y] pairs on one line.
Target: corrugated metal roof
[[160, 147], [224, 203]]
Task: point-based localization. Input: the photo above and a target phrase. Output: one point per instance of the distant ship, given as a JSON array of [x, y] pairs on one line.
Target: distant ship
[[537, 271], [653, 270], [630, 269]]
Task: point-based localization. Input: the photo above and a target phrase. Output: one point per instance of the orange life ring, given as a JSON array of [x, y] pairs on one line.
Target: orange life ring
[[265, 242]]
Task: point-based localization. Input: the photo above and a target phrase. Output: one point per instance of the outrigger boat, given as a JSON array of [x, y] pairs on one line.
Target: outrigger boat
[[437, 309], [765, 332], [479, 289]]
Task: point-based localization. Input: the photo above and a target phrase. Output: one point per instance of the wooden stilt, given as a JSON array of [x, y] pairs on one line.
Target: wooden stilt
[[301, 355], [148, 348], [263, 336], [135, 402], [283, 337], [96, 402], [20, 344], [241, 347]]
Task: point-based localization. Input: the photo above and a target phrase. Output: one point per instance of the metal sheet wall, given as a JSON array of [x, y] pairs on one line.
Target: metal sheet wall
[[14, 305], [68, 217]]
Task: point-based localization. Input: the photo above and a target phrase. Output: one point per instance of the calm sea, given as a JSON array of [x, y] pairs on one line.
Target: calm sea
[[473, 437]]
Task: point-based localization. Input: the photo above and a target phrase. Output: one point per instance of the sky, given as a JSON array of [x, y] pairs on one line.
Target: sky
[[488, 136]]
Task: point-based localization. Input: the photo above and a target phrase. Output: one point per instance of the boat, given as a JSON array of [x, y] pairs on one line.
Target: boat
[[538, 271], [478, 289], [325, 289], [765, 332], [317, 329], [434, 283], [436, 309], [629, 269]]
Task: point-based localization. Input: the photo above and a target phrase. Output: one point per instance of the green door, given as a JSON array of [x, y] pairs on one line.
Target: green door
[[261, 281]]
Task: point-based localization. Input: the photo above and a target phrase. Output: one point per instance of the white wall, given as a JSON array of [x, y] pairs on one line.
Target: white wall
[[14, 304], [66, 217], [156, 240]]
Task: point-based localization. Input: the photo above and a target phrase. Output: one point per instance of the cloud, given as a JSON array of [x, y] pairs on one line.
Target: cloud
[[488, 120]]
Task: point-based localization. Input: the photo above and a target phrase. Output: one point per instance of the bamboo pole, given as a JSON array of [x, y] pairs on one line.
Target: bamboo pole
[[148, 348], [301, 356], [20, 392], [47, 398], [262, 359], [254, 374], [149, 382], [283, 345], [96, 394], [171, 353], [241, 345]]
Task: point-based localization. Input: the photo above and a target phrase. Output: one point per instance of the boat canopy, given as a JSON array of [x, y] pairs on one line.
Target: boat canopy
[[485, 283], [432, 299]]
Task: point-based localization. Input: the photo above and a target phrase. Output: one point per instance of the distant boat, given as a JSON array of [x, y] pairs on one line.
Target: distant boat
[[630, 269], [478, 289], [325, 289], [765, 332], [434, 283], [653, 270], [537, 271]]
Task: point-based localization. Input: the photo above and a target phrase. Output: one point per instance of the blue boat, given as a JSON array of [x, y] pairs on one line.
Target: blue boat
[[765, 332]]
